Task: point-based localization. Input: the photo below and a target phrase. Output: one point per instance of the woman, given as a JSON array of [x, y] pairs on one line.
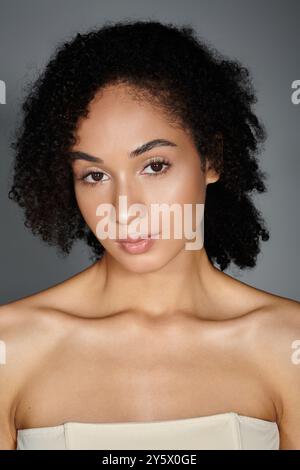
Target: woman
[[152, 346]]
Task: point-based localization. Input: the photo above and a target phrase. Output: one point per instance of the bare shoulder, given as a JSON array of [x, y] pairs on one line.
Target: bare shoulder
[[268, 321], [272, 335], [272, 329], [35, 324], [28, 326], [283, 368], [26, 333], [32, 319], [276, 325], [27, 336], [66, 297], [277, 315], [23, 321]]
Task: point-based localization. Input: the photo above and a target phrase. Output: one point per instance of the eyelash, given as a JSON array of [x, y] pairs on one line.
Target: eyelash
[[153, 160]]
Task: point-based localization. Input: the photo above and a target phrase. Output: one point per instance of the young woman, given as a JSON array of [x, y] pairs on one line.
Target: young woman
[[152, 346]]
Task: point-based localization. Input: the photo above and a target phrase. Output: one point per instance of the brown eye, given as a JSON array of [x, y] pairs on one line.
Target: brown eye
[[157, 167], [96, 176], [93, 177]]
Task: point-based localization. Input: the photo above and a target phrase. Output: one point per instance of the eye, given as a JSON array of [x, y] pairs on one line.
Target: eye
[[156, 164], [93, 177]]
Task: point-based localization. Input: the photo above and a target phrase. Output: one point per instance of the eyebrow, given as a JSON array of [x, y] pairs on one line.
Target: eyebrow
[[79, 155]]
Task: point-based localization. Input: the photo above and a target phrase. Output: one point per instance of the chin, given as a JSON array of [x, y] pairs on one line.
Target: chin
[[150, 261]]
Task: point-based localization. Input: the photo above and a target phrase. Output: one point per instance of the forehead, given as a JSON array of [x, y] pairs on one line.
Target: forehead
[[117, 115]]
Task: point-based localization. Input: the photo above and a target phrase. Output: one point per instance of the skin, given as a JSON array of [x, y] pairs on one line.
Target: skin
[[156, 336]]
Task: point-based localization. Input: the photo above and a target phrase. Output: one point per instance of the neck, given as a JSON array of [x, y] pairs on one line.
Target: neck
[[189, 282]]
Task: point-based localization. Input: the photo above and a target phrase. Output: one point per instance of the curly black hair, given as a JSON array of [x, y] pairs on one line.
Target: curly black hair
[[210, 96]]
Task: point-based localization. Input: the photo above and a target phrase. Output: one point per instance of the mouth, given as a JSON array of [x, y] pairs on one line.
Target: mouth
[[138, 245]]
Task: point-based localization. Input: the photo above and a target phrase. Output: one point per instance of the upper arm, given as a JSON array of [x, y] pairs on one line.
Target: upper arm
[[7, 432], [7, 440], [17, 357], [7, 385], [27, 336], [286, 373]]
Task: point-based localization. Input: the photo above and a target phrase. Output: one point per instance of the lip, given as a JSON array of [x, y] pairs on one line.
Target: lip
[[130, 239], [137, 246]]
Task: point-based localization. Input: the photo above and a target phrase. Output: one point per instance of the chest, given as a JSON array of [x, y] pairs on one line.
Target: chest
[[141, 375]]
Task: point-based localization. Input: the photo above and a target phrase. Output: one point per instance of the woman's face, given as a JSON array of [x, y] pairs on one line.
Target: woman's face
[[118, 124]]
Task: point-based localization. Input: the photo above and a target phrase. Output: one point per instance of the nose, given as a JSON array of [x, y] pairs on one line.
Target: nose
[[128, 204]]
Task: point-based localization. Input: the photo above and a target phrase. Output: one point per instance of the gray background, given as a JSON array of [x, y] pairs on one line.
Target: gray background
[[264, 35]]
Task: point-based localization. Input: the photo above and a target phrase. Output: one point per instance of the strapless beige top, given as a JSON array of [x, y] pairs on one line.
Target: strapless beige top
[[214, 432]]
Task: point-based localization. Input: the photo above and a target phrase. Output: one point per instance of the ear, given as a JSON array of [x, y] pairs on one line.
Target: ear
[[212, 174]]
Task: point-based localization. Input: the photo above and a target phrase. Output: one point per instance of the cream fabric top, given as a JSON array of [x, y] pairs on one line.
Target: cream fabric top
[[220, 431]]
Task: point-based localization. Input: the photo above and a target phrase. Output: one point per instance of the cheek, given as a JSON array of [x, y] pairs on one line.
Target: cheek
[[187, 189], [186, 186], [87, 201]]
